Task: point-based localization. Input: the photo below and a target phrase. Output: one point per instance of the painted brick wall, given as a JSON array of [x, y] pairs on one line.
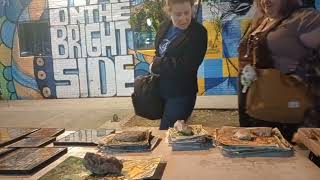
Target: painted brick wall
[[90, 48]]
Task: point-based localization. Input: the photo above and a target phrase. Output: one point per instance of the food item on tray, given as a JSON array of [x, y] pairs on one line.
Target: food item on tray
[[183, 128], [250, 134], [262, 131], [244, 134], [101, 164], [131, 136]]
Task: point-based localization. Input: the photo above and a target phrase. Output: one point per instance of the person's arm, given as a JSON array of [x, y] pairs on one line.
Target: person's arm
[[311, 39], [193, 55], [309, 28]]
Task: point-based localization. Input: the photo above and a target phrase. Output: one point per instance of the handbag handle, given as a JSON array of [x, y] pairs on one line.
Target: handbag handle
[[290, 81], [253, 38]]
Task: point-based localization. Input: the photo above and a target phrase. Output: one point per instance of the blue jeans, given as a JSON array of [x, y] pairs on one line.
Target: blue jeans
[[176, 108]]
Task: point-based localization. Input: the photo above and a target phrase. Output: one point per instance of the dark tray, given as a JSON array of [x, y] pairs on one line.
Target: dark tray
[[87, 137], [4, 151], [10, 135], [47, 132], [29, 160], [32, 142]]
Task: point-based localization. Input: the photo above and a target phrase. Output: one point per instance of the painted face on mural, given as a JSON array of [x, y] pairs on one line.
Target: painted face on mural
[[181, 14], [271, 7]]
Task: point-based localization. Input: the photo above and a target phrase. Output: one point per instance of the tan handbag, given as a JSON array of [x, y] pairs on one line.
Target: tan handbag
[[276, 97]]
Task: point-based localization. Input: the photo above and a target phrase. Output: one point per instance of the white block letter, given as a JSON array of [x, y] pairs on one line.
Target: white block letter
[[124, 76], [67, 85], [59, 45], [93, 44], [101, 74]]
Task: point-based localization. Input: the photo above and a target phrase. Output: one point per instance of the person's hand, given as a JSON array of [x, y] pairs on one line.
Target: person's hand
[[151, 72], [150, 68], [296, 77], [311, 39], [154, 67]]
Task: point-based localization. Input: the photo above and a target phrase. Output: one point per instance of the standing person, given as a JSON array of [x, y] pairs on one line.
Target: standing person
[[285, 35], [181, 44]]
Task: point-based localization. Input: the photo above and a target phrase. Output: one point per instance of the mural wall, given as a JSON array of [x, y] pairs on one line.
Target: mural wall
[[86, 48]]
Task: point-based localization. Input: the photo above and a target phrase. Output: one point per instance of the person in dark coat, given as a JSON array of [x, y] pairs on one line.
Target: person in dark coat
[[181, 44]]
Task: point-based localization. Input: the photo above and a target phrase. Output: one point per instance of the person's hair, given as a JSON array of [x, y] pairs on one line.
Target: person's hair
[[171, 2], [287, 6]]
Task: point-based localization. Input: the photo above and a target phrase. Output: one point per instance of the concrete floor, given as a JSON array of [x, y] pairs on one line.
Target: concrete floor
[[74, 114]]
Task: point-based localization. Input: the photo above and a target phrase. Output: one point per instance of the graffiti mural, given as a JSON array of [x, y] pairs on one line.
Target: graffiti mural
[[226, 22], [87, 48], [86, 54]]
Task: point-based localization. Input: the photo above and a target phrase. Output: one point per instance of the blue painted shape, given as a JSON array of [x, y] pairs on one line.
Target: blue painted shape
[[212, 82], [2, 20], [7, 33], [213, 68], [231, 35], [49, 81], [140, 57], [142, 66], [25, 3], [201, 70], [103, 77], [70, 3], [70, 71], [13, 96], [13, 10], [23, 79], [7, 73], [45, 15], [2, 8], [140, 72], [24, 15], [221, 86], [130, 42], [10, 87], [317, 4]]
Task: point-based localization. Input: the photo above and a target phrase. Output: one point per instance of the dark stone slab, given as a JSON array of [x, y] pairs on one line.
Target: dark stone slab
[[47, 132], [88, 137], [32, 142], [10, 135], [4, 151], [29, 160], [100, 164]]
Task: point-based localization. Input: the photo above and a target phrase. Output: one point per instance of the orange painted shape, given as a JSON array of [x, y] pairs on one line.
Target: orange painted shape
[[244, 25], [214, 49], [201, 87], [232, 70], [5, 55], [148, 54], [26, 93], [36, 8]]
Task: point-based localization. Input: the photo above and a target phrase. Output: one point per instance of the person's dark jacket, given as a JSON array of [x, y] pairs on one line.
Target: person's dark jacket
[[179, 66]]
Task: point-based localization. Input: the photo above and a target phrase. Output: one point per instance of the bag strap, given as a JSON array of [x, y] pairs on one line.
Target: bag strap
[[265, 33]]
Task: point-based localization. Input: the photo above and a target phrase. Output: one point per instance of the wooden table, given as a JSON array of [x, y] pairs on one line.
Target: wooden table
[[210, 164], [304, 137]]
